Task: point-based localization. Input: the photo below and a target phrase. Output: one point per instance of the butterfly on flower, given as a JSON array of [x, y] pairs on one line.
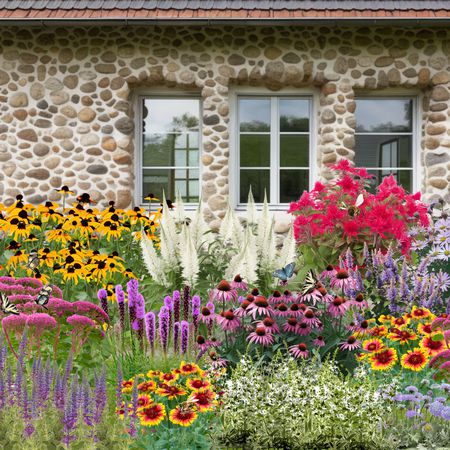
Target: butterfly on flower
[[353, 210], [285, 273], [43, 296], [33, 260], [6, 306], [311, 282]]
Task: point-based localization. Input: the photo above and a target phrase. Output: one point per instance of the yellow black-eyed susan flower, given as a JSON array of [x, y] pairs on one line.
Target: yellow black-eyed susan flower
[[64, 190], [58, 235]]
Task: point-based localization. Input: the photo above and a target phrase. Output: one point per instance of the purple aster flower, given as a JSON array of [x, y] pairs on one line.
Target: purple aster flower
[[411, 413]]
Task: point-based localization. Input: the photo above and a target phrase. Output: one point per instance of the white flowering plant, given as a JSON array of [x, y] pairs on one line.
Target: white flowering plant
[[190, 252], [307, 406]]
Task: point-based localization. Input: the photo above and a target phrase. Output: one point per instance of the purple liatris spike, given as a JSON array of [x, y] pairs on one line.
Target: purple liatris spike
[[196, 304], [186, 302], [163, 319], [102, 296], [132, 290], [176, 335], [150, 329], [176, 306], [184, 336], [120, 296], [168, 302]]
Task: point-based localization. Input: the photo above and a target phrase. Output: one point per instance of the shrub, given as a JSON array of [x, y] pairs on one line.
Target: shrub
[[283, 405]]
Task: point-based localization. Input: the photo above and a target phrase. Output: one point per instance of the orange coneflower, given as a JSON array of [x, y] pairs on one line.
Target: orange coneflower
[[384, 359], [183, 416], [414, 360], [152, 415]]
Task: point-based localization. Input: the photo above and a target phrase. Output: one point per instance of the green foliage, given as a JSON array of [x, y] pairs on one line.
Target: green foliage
[[311, 406]]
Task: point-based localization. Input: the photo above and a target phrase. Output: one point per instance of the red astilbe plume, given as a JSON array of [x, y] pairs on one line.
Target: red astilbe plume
[[343, 213]]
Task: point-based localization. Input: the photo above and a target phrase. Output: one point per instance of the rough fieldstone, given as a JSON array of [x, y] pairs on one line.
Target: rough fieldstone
[[440, 94], [431, 159], [41, 149], [86, 115], [125, 125], [18, 100]]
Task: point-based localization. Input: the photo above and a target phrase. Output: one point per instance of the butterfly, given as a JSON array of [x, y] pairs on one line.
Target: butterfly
[[353, 210], [285, 273], [33, 260], [310, 283], [6, 306], [43, 296]]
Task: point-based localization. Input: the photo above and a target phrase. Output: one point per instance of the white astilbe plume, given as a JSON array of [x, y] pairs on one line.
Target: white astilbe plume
[[180, 213], [200, 231], [188, 257], [245, 262], [251, 209], [264, 223], [231, 229], [168, 248], [167, 222], [288, 251], [268, 250], [154, 264]]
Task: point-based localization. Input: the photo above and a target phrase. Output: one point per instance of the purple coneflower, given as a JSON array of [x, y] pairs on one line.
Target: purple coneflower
[[310, 318], [350, 344], [217, 362], [223, 292], [314, 296], [239, 283], [228, 321], [269, 324], [342, 280], [359, 302], [202, 343], [296, 309], [338, 307], [261, 336], [207, 314], [276, 297], [287, 296], [303, 329], [319, 341], [291, 325], [261, 307], [299, 350], [243, 307], [282, 310], [329, 272]]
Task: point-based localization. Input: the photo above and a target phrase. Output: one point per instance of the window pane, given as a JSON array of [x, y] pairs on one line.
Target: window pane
[[254, 114], [169, 180], [294, 115], [170, 115], [170, 150], [292, 184], [384, 115], [294, 150], [259, 180], [255, 150], [403, 177], [383, 151]]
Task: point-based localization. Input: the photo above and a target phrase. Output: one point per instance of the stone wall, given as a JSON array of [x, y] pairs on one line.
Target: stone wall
[[66, 109]]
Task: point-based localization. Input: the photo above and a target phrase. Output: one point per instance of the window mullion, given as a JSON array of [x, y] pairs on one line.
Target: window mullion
[[274, 152]]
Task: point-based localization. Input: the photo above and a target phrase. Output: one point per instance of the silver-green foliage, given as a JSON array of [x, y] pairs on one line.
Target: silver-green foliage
[[306, 406]]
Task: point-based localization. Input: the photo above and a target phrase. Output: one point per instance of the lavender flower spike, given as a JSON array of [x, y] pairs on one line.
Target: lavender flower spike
[[163, 319], [176, 306], [120, 295], [150, 329], [176, 334], [186, 301]]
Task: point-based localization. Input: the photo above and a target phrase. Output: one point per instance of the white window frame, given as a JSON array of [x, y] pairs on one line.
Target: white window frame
[[234, 177], [140, 96], [416, 98]]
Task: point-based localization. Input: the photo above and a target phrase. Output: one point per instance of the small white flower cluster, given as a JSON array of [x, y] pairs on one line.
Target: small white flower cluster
[[284, 404]]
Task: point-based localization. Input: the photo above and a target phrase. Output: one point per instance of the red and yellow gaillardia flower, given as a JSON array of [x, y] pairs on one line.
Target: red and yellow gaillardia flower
[[378, 331], [169, 377], [420, 313], [152, 415], [400, 322], [197, 384], [432, 347], [147, 386], [127, 386], [204, 400], [384, 359], [170, 392], [372, 345], [182, 416], [402, 336], [143, 401], [153, 373], [189, 368], [415, 360], [424, 328]]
